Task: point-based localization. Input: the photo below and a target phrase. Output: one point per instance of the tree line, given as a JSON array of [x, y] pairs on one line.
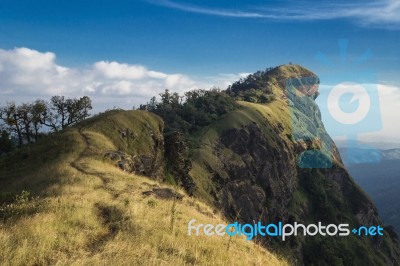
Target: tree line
[[254, 88], [25, 123], [188, 112]]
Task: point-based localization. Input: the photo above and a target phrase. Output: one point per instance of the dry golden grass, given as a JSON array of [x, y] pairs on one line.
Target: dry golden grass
[[92, 213]]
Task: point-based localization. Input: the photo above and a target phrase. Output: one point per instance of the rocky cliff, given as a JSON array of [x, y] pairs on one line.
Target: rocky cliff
[[255, 164]]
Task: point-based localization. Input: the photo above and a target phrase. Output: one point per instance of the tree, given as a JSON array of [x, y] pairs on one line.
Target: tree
[[25, 119], [152, 104], [38, 110], [165, 97], [200, 108], [61, 112], [254, 88], [24, 122], [78, 110], [11, 117]]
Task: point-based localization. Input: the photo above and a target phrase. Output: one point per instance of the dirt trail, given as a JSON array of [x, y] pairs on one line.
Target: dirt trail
[[76, 164], [105, 213]]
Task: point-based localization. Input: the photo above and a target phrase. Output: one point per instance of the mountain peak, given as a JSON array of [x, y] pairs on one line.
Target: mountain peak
[[297, 77], [274, 82]]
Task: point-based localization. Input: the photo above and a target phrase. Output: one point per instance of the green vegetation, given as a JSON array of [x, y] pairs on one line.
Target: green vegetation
[[191, 112], [81, 210], [255, 88]]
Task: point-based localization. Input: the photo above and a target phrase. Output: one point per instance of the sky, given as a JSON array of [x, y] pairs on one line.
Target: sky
[[120, 53]]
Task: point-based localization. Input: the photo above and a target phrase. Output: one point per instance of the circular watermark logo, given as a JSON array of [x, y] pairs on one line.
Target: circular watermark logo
[[359, 97]]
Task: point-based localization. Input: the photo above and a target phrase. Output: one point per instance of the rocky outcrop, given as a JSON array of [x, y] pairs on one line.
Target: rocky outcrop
[[259, 172], [148, 161], [163, 193], [147, 165]]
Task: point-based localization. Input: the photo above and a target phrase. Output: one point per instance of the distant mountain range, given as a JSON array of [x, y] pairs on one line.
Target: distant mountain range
[[378, 173], [381, 145]]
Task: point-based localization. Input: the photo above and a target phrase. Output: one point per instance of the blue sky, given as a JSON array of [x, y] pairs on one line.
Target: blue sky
[[161, 36], [121, 51]]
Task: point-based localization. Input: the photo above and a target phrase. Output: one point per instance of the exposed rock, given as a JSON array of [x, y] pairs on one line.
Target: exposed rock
[[138, 164], [163, 193], [257, 186], [123, 161], [127, 133], [148, 162]]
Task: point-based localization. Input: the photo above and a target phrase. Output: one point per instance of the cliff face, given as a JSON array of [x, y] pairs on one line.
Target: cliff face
[[256, 165]]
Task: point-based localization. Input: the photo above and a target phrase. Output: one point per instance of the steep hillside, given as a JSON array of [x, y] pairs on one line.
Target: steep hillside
[[71, 200], [255, 164]]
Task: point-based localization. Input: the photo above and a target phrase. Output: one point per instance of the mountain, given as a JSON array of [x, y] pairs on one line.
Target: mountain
[[391, 154], [380, 179], [382, 145], [368, 154], [67, 201], [122, 186], [247, 166]]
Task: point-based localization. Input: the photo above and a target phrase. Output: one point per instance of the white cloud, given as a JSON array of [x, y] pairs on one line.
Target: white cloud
[[207, 11], [223, 80], [114, 70], [157, 75], [28, 73], [28, 60], [389, 98], [178, 81], [381, 13]]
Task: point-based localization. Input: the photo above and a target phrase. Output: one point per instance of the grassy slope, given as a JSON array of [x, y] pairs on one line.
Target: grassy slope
[[91, 213]]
